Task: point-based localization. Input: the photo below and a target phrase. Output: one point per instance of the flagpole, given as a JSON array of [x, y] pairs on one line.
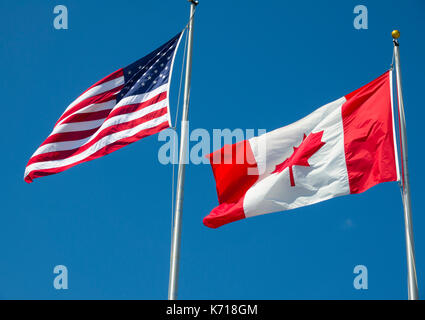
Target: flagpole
[[175, 245], [410, 248]]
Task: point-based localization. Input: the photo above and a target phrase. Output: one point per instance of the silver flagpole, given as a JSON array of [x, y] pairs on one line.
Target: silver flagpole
[[410, 248], [175, 245]]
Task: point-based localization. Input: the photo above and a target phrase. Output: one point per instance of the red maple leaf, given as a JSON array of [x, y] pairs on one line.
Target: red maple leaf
[[309, 146]]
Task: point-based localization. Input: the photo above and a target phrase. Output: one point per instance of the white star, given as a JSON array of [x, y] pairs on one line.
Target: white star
[[143, 84], [140, 67], [166, 68], [129, 72], [161, 64], [154, 82], [149, 77], [156, 71]]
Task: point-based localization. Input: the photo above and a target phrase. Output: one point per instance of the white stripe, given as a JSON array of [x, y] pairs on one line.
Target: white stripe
[[78, 126], [69, 145], [97, 107], [106, 86], [126, 101], [60, 146], [139, 98], [97, 146], [94, 107], [87, 125], [127, 117]]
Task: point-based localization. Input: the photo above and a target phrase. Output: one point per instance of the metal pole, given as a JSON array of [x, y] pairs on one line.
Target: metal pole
[[410, 249], [175, 245]]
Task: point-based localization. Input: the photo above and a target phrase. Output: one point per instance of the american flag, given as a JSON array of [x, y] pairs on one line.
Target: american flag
[[129, 104]]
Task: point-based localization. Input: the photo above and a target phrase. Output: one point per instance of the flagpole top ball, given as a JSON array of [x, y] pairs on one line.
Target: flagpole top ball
[[395, 34]]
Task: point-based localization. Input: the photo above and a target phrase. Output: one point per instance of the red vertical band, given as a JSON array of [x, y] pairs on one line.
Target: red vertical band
[[230, 166], [368, 135]]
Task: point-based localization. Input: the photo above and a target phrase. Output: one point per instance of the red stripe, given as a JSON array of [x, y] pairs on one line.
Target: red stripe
[[78, 135], [87, 116], [112, 76], [104, 114], [99, 98], [230, 166], [69, 136], [50, 156], [59, 155], [368, 135], [61, 137], [137, 106], [100, 153]]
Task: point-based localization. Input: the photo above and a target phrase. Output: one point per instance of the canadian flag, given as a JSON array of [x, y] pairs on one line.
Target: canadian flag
[[344, 147]]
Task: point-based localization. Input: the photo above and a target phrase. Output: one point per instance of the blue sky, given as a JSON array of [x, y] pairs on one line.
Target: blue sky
[[255, 65]]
